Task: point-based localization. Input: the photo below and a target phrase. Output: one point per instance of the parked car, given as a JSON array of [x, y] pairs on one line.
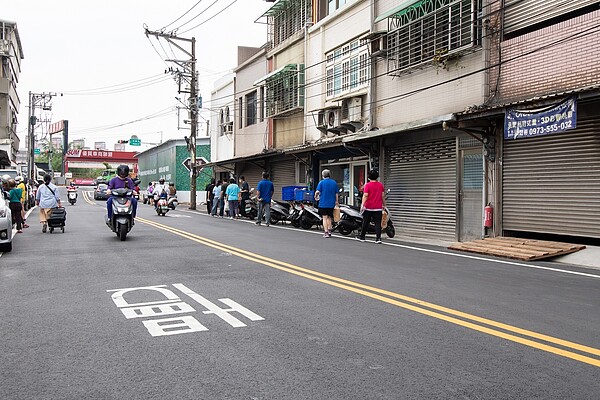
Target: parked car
[[101, 192], [5, 226]]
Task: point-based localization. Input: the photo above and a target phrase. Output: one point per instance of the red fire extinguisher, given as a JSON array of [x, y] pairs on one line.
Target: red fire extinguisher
[[488, 220]]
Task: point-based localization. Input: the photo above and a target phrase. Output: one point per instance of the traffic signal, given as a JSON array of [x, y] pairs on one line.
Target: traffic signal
[[123, 141]]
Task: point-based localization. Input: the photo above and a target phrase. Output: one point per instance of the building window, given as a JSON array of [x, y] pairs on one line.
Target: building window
[[251, 108], [286, 18], [285, 90], [261, 107], [241, 114], [347, 68], [430, 30]]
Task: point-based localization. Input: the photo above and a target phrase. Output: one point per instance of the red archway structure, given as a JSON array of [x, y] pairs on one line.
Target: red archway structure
[[96, 158]]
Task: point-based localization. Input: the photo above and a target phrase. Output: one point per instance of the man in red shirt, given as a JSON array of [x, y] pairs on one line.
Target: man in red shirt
[[373, 202]]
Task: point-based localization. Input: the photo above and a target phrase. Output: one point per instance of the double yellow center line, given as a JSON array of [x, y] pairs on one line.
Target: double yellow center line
[[565, 348]]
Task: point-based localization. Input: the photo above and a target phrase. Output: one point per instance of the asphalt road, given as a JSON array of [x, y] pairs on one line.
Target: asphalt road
[[194, 307]]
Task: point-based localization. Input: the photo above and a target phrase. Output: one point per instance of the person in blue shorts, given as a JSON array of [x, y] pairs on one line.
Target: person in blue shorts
[[327, 196], [264, 192]]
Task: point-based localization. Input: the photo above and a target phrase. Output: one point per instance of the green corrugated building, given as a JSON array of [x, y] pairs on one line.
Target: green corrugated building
[[168, 161]]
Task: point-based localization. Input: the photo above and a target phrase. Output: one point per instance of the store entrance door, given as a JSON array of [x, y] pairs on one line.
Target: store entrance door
[[470, 195], [350, 177]]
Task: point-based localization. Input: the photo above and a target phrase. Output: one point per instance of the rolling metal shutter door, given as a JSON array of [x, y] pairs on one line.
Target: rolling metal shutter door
[[551, 184], [519, 14], [422, 179], [253, 174], [283, 173]]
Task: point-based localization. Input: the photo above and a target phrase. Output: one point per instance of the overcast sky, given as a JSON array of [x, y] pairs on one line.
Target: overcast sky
[[84, 49]]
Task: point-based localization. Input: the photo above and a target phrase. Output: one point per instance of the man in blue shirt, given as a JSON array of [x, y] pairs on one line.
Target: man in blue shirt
[[327, 196], [122, 180], [264, 192]]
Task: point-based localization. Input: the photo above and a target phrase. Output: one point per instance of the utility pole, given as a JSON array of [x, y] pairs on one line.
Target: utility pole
[[188, 66], [36, 100]]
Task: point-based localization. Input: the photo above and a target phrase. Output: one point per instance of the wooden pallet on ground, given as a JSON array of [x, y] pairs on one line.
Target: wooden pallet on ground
[[520, 249]]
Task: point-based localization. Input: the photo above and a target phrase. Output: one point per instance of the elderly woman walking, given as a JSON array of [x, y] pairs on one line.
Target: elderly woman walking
[[47, 198]]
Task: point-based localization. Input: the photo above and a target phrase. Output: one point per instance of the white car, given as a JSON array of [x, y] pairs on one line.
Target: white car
[[6, 227]]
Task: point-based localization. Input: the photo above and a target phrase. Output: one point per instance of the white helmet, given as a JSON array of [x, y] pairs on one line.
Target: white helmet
[[19, 179], [5, 178]]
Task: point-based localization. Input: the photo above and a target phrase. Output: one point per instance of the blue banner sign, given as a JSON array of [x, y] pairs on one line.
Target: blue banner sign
[[553, 119]]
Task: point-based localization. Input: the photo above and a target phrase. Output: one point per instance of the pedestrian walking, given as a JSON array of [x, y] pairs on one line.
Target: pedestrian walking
[[327, 196], [20, 182], [47, 197], [264, 193], [14, 198], [373, 202], [209, 195], [216, 198], [244, 195], [232, 194]]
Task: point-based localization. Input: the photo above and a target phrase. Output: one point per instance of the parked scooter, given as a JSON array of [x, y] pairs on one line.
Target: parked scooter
[[122, 212], [72, 196], [251, 207], [162, 205], [279, 211], [295, 213], [309, 216]]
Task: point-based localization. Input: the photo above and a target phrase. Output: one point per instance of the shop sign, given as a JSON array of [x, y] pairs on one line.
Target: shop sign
[[527, 123]]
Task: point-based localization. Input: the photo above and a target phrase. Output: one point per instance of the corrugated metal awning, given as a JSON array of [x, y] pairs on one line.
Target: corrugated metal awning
[[401, 9], [276, 8], [256, 156], [407, 126], [288, 67]]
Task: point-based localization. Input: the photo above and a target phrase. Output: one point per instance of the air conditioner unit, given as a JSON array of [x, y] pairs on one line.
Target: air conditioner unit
[[228, 128], [352, 110], [332, 118], [379, 45]]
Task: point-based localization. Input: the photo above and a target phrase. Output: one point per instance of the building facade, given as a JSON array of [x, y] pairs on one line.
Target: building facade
[[436, 94], [170, 161], [11, 55]]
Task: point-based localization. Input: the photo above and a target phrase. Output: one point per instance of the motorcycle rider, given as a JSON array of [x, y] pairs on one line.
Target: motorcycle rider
[[159, 189], [122, 180]]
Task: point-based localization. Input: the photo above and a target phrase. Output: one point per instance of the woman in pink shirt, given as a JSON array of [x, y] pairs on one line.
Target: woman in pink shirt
[[373, 202]]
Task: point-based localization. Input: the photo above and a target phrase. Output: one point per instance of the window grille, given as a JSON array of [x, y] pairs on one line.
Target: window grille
[[431, 30], [251, 108], [285, 90], [286, 18], [347, 68]]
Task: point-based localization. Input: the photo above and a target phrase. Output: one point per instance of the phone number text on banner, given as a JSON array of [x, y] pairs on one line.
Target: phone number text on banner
[[557, 118]]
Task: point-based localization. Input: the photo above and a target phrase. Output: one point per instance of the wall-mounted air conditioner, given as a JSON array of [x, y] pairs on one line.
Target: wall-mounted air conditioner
[[379, 44], [351, 110], [332, 118]]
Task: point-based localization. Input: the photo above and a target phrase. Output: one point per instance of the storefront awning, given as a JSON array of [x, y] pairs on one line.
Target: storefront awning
[[405, 127], [286, 68], [276, 8], [401, 9], [257, 156]]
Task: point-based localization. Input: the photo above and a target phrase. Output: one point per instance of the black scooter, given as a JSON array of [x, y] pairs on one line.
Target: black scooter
[[251, 207], [351, 219], [122, 212]]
